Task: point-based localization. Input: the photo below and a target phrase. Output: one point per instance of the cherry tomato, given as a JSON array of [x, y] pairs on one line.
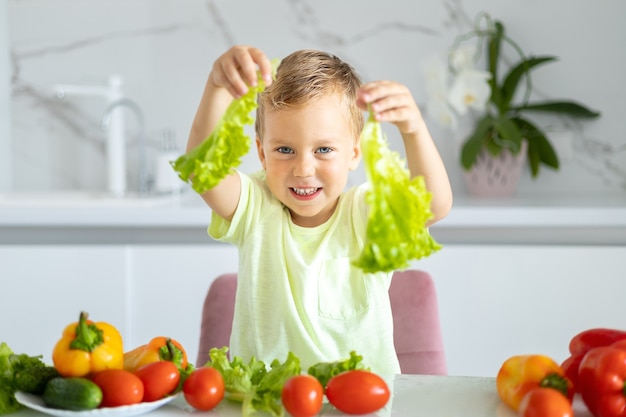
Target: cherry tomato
[[159, 379], [302, 396], [357, 392], [119, 387], [545, 402], [204, 388]]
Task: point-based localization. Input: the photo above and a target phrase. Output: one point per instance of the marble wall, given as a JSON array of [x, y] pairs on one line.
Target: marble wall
[[163, 51]]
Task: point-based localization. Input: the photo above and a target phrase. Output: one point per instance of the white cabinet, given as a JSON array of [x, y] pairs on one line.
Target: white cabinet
[[168, 288], [495, 301], [44, 288], [144, 291]]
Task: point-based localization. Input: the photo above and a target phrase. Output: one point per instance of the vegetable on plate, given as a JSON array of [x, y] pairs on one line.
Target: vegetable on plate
[[159, 379], [21, 372], [72, 393], [119, 387], [87, 347], [159, 348]]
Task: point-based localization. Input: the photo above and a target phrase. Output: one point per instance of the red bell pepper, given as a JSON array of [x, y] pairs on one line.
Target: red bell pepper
[[602, 378], [584, 341], [592, 338]]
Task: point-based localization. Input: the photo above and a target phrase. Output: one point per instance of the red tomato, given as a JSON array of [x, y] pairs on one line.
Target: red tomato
[[357, 392], [119, 387], [159, 379], [302, 396], [204, 388], [545, 402]]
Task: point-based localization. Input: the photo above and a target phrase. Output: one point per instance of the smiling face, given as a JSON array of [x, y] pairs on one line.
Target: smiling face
[[307, 153]]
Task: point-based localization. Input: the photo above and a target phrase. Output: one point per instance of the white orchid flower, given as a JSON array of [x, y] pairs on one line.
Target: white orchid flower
[[470, 89], [463, 58]]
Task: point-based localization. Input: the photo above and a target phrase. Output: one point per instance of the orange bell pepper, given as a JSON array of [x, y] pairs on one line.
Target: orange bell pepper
[[519, 374], [87, 347], [160, 348]]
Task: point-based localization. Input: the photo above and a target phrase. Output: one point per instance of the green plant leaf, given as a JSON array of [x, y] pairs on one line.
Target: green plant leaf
[[569, 108], [473, 144], [511, 80], [509, 135], [495, 40], [540, 150]]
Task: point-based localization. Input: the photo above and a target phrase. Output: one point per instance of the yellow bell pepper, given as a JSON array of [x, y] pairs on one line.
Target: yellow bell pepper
[[87, 347], [160, 348], [521, 373]]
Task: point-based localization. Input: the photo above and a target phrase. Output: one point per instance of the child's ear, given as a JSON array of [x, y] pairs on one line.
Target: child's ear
[[260, 151], [356, 155]]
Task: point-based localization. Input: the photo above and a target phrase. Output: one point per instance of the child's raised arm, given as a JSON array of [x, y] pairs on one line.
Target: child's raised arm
[[229, 78], [393, 102]]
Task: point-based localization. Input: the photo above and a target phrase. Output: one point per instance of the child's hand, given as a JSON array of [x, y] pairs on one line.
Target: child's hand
[[236, 69], [391, 102]]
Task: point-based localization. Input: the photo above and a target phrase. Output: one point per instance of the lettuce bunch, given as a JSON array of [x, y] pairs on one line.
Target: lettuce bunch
[[208, 163], [399, 207], [256, 387], [259, 388]]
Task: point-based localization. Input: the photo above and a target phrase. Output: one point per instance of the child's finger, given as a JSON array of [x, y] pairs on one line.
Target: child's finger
[[264, 64]]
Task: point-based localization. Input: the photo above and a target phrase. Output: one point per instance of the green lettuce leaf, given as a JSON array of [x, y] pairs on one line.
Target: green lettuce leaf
[[399, 207], [324, 371], [208, 163], [10, 365], [252, 384]]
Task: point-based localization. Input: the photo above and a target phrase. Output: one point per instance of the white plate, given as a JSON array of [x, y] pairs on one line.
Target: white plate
[[35, 402]]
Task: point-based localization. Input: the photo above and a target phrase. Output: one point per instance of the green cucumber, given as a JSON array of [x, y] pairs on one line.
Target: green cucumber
[[73, 393]]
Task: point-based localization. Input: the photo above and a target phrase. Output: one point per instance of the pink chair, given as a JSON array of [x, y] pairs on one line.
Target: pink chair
[[417, 332]]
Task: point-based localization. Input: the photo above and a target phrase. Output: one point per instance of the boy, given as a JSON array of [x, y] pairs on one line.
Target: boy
[[296, 228]]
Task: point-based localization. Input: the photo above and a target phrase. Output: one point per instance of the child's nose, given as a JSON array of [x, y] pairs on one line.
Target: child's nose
[[304, 166]]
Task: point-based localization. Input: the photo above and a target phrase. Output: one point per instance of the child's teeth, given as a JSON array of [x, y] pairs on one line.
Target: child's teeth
[[305, 191]]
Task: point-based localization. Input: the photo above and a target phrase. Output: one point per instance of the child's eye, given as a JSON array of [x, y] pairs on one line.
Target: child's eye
[[325, 149], [284, 149]]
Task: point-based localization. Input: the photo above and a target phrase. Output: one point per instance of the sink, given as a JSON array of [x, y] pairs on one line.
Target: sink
[[86, 199]]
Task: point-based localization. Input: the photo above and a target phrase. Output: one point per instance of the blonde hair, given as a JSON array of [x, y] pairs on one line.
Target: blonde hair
[[308, 75]]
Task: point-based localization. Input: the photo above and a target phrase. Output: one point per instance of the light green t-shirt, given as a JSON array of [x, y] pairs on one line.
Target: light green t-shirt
[[297, 289]]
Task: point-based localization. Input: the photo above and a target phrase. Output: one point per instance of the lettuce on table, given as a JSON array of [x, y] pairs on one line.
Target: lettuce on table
[[399, 207], [252, 384]]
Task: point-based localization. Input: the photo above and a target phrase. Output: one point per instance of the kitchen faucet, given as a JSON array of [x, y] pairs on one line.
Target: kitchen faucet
[[107, 123], [116, 143]]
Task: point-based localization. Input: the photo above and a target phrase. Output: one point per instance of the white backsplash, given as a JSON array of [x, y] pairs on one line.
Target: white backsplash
[[164, 50]]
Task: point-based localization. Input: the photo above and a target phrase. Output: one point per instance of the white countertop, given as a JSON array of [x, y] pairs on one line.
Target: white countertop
[[29, 219], [413, 395]]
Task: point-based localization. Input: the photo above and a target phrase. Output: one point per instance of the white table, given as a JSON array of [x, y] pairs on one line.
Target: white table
[[413, 396]]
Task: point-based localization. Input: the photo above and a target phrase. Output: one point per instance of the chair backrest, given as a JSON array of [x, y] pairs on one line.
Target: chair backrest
[[417, 332]]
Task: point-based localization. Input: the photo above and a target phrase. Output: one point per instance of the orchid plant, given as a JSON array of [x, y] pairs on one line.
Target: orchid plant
[[501, 122]]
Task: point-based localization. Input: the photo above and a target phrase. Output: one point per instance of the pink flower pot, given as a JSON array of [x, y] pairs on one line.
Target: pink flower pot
[[496, 176]]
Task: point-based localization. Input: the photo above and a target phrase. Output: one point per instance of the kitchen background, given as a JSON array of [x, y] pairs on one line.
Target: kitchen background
[[164, 49], [515, 276]]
